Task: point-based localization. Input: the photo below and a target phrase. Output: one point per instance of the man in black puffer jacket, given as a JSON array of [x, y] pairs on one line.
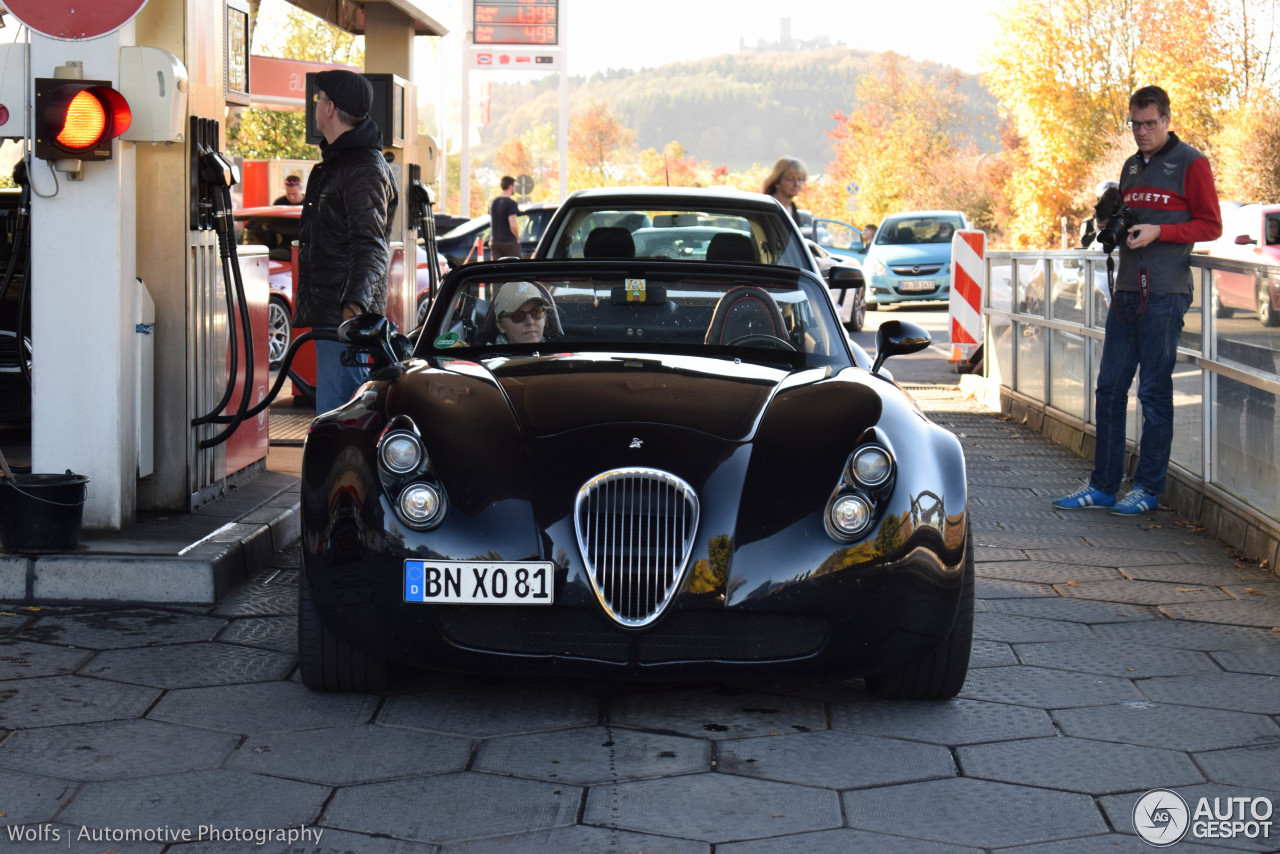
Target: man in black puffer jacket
[[343, 240]]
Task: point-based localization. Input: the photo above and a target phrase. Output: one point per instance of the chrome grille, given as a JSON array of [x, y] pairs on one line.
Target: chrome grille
[[635, 529], [917, 270]]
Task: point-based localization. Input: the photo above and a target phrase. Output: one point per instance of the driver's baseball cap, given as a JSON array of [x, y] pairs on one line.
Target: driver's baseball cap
[[350, 92]]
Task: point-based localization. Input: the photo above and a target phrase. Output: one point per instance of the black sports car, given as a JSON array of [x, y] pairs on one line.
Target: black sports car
[[686, 469]]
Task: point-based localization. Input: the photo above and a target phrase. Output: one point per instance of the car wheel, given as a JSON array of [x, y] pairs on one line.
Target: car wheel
[[424, 305], [326, 660], [940, 674], [279, 330], [1266, 313], [857, 314]]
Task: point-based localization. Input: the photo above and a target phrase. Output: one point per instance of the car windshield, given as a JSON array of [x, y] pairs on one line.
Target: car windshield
[[614, 306], [686, 234], [922, 229]]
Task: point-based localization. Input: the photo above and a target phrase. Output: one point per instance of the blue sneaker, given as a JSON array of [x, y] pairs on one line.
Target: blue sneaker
[[1137, 501], [1084, 498]]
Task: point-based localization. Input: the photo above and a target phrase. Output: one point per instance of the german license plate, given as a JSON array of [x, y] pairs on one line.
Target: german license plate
[[469, 582], [920, 285]]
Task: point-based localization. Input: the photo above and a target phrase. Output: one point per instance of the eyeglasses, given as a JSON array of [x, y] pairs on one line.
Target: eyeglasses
[[518, 316], [1150, 124], [317, 97]]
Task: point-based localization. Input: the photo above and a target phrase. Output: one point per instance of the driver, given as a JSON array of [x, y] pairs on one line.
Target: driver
[[521, 311]]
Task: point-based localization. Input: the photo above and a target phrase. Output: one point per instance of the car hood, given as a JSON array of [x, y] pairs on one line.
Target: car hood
[[556, 394], [915, 253]]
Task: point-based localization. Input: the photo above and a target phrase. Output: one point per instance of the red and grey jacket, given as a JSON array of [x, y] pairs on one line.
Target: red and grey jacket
[[1175, 191]]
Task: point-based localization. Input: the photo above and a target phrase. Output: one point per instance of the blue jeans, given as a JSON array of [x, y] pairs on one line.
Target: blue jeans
[[1146, 343], [335, 382]]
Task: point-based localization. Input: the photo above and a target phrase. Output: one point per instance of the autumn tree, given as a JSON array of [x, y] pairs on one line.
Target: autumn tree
[[597, 140], [672, 167], [1248, 150]]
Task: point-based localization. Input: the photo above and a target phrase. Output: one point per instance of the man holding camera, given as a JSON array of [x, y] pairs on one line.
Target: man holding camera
[[1167, 190]]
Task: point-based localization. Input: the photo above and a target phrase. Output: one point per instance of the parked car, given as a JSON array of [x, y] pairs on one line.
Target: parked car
[[1249, 233], [693, 474], [459, 245], [910, 258], [276, 227], [693, 224]]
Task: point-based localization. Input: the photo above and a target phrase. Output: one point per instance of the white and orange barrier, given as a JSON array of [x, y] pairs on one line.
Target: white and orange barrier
[[968, 281]]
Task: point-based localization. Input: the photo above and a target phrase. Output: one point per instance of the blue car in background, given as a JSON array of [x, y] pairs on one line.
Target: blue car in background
[[910, 258]]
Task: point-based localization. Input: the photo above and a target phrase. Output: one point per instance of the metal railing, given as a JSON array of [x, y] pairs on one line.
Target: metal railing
[[1044, 314]]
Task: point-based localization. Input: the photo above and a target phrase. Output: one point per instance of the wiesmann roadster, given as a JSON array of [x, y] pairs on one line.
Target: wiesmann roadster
[[640, 467]]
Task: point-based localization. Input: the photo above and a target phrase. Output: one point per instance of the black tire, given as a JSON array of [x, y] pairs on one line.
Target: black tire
[[279, 330], [858, 314], [1219, 310], [939, 675], [424, 305], [1266, 314], [327, 661]]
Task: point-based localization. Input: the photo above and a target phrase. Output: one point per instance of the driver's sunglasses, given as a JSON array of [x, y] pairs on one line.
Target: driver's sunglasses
[[519, 315]]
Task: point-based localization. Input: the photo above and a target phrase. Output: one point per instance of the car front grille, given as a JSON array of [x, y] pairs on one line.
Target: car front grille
[[921, 270], [635, 530]]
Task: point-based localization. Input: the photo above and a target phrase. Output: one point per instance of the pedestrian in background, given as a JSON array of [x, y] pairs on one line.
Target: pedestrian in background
[[344, 238], [868, 234], [1169, 186], [785, 182], [504, 229], [292, 192]]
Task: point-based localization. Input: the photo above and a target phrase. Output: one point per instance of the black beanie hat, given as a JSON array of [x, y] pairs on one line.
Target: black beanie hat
[[349, 91]]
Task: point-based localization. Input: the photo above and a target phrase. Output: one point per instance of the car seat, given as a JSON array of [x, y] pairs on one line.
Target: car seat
[[906, 234], [745, 310], [609, 242], [731, 247]]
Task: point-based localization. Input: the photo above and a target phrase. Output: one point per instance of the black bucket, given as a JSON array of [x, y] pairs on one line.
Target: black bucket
[[41, 513]]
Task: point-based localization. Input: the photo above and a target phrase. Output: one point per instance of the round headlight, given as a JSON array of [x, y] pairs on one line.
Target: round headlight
[[401, 452], [419, 503], [850, 515], [871, 465]]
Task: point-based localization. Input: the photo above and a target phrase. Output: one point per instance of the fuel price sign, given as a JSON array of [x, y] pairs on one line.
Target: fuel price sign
[[521, 22]]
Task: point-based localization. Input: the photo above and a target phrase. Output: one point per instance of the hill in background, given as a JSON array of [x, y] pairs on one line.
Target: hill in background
[[734, 110]]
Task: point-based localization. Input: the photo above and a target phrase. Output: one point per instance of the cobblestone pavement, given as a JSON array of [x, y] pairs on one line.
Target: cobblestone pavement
[[1113, 656]]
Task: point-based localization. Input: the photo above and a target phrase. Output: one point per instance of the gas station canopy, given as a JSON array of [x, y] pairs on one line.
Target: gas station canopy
[[349, 14]]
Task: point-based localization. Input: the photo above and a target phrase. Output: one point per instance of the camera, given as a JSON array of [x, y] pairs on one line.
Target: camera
[[1117, 227]]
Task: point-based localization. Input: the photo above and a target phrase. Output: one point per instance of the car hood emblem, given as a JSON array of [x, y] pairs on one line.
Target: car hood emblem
[[635, 443]]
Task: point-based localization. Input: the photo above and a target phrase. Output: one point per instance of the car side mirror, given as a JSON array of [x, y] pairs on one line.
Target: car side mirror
[[1244, 240], [899, 338], [845, 276]]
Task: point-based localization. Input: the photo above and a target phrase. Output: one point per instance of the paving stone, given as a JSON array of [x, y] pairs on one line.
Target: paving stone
[[1044, 572], [1253, 766], [76, 839], [331, 842], [1193, 573], [189, 665], [120, 629], [1075, 610], [983, 553], [25, 660], [277, 633], [262, 708], [1078, 765], [1119, 812], [221, 799], [1112, 843], [1263, 613], [586, 755], [1231, 691], [999, 588], [1204, 636], [951, 723], [400, 753], [833, 760], [1115, 658], [991, 654], [1046, 689], [979, 813], [1261, 587], [260, 600], [579, 840], [841, 842], [1011, 628], [717, 713], [713, 807], [1111, 558], [1036, 546], [1140, 592], [479, 710], [1264, 660], [116, 749], [32, 798], [479, 805], [13, 618], [54, 700], [1169, 726]]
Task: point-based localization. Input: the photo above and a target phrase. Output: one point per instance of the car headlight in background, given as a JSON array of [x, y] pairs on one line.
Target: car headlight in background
[[401, 452], [850, 515], [419, 505], [877, 267]]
